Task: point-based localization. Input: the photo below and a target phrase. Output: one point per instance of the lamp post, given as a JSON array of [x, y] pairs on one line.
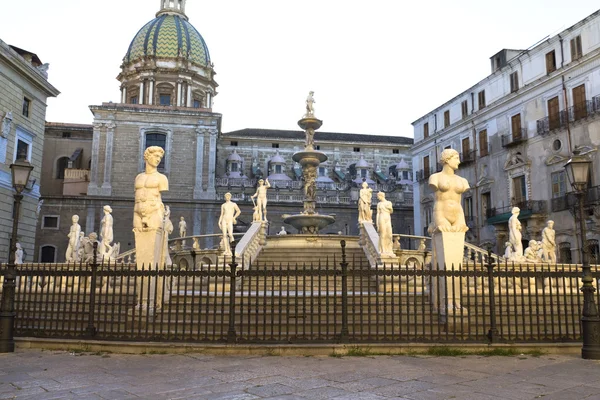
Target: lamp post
[[20, 171], [578, 172]]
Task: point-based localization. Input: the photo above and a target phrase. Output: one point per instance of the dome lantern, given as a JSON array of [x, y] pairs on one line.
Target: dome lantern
[[172, 7]]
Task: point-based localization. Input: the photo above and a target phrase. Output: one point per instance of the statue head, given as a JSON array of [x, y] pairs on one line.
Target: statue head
[[227, 196], [93, 236], [515, 210], [448, 155], [381, 196], [107, 209], [154, 153], [18, 246], [550, 224], [75, 219], [365, 185], [261, 181], [181, 218]]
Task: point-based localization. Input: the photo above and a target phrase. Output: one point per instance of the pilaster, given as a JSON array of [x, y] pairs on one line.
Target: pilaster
[[93, 189], [198, 190], [106, 189]]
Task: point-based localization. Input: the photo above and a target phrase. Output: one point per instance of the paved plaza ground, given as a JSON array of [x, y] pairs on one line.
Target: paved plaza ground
[[36, 374]]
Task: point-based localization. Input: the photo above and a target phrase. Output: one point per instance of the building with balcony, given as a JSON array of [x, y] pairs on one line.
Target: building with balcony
[[24, 91], [514, 131], [167, 86]]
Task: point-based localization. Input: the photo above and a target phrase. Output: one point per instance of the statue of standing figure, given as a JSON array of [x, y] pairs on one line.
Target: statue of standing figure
[[310, 107], [6, 124], [182, 227], [148, 211], [71, 254], [167, 229], [19, 254], [549, 243], [261, 198], [229, 213], [448, 214], [514, 234], [365, 213], [106, 232], [384, 224]]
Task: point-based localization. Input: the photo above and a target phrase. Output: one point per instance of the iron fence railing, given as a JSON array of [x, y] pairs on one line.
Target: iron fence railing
[[333, 300]]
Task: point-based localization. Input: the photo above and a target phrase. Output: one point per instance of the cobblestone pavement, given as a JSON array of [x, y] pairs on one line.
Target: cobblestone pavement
[[34, 374]]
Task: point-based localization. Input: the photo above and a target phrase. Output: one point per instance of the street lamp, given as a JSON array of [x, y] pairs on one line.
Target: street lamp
[[578, 172], [20, 170]]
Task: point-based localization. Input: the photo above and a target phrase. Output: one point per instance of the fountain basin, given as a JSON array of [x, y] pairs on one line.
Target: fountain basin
[[309, 157], [309, 223]]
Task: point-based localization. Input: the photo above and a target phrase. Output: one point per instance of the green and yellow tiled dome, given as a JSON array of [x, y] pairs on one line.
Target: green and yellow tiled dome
[[169, 36]]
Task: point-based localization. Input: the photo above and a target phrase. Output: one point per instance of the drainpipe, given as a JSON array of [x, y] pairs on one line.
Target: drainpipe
[[565, 99], [477, 230]]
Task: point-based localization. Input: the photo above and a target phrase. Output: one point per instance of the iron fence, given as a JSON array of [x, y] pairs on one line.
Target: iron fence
[[334, 300]]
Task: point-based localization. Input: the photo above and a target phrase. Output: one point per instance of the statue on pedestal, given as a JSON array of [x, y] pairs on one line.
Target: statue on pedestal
[[182, 227], [549, 243], [384, 225], [514, 234], [532, 252], [106, 232], [71, 254], [448, 214], [148, 211], [282, 231], [19, 254], [6, 124], [229, 213], [167, 229], [365, 213], [310, 108], [261, 198]]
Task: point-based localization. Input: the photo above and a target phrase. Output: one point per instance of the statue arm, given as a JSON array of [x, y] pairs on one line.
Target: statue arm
[[433, 182], [237, 212], [163, 185], [466, 184], [267, 184], [222, 212]]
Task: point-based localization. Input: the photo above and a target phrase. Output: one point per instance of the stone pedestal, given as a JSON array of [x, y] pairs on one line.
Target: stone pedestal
[[150, 254], [448, 254]]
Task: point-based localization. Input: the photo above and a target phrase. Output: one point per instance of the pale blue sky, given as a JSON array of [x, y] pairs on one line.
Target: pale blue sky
[[375, 66]]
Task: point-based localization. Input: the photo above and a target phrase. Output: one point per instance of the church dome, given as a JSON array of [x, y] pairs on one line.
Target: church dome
[[169, 35]]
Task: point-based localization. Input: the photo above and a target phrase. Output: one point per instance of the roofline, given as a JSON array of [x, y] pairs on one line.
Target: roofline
[[523, 52], [362, 135]]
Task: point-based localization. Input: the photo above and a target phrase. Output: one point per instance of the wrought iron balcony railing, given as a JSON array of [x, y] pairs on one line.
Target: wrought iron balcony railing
[[486, 150], [581, 110], [514, 138], [467, 157], [552, 123], [569, 200], [527, 207]]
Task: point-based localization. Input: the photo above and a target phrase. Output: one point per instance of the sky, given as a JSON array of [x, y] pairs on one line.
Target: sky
[[375, 66]]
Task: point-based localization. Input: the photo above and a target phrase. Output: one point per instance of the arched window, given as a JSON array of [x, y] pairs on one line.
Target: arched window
[[160, 140], [61, 164], [594, 251], [48, 254], [564, 253]]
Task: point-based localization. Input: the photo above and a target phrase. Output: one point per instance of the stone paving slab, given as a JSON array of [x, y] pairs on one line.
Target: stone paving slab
[[35, 374]]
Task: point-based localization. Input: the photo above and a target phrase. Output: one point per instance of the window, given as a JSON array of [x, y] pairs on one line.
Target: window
[[483, 143], [48, 254], [553, 113], [426, 167], [66, 135], [564, 253], [61, 164], [321, 171], [278, 169], [196, 103], [234, 167], [26, 107], [486, 205], [517, 132], [317, 147], [556, 145], [133, 100], [357, 149], [160, 140], [594, 251], [559, 184], [363, 173], [466, 148], [22, 150], [275, 145], [579, 102], [405, 175], [395, 151], [425, 130], [550, 62], [481, 99], [446, 118], [468, 207], [234, 143], [519, 190], [576, 51], [50, 222], [165, 99], [465, 108], [514, 82]]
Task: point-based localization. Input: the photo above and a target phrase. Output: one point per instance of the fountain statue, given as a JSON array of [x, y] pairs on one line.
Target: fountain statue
[[309, 221]]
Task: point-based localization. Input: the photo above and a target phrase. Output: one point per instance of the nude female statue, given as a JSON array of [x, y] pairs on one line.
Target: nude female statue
[[514, 234], [365, 214], [384, 224], [148, 212], [448, 215]]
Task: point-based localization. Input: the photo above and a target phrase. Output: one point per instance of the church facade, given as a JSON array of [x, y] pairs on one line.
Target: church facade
[[167, 88]]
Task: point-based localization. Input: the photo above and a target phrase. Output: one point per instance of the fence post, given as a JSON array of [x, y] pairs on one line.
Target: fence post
[[91, 329], [231, 334], [7, 312], [493, 331], [344, 334]]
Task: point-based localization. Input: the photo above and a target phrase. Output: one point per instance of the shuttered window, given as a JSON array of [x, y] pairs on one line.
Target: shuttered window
[[514, 82], [576, 50], [550, 62]]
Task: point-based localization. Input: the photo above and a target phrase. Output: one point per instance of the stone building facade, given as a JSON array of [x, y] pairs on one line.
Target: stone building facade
[[24, 90], [515, 130], [167, 85]]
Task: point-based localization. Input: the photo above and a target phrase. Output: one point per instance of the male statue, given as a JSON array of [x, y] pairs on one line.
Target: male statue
[[182, 227], [71, 254], [19, 254], [106, 232], [549, 243], [310, 108], [261, 198], [229, 213], [148, 211]]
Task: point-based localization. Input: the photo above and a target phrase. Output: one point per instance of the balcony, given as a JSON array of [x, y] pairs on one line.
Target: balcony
[[423, 175], [485, 151], [581, 110], [467, 157], [551, 123], [527, 207], [514, 138], [569, 200]]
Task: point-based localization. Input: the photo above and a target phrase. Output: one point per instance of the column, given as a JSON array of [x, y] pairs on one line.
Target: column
[[106, 189], [123, 94], [179, 93], [212, 162], [208, 100], [151, 92], [141, 96], [199, 163], [189, 94], [93, 185]]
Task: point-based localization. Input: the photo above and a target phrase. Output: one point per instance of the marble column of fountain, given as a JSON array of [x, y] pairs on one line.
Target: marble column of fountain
[[309, 221]]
